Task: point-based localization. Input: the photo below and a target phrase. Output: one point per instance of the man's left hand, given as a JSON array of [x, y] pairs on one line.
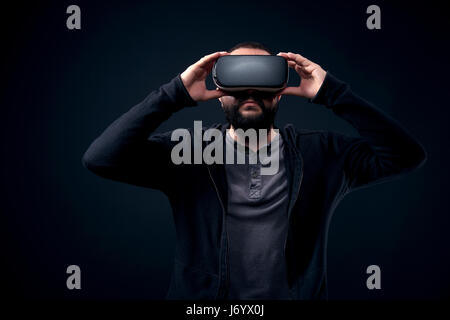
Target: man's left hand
[[311, 74]]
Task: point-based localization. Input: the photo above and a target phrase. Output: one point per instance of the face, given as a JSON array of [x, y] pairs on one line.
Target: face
[[250, 108]]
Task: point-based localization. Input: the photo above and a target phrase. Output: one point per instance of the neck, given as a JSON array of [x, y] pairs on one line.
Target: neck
[[250, 143]]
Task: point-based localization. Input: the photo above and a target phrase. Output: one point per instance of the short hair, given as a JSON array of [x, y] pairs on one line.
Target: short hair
[[250, 44]]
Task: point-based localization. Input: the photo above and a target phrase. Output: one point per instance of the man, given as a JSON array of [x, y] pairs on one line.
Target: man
[[240, 234]]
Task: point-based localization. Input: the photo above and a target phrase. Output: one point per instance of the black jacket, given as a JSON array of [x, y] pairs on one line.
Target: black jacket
[[322, 168]]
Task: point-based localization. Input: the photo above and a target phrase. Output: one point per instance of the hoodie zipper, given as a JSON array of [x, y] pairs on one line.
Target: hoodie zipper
[[293, 204], [224, 216], [295, 200]]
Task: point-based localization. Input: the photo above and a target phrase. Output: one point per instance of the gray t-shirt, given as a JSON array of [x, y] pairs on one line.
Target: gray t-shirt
[[257, 223]]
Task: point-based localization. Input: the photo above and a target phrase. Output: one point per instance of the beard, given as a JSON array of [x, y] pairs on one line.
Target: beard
[[262, 120]]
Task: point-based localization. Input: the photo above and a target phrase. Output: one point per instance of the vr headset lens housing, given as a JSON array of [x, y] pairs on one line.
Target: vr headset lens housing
[[267, 74]]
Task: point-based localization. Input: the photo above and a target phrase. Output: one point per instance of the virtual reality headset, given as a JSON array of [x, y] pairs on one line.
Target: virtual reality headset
[[234, 73]]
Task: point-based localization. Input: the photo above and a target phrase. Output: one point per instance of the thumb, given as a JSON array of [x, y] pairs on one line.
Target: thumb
[[289, 91], [214, 94]]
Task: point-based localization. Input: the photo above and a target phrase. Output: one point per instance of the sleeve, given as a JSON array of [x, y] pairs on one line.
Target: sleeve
[[384, 150], [126, 152]]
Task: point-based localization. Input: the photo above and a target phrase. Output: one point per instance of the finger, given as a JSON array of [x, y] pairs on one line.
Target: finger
[[284, 55], [298, 58], [291, 64], [294, 56], [306, 70], [295, 66], [203, 62], [304, 75], [299, 69], [289, 91], [214, 94]]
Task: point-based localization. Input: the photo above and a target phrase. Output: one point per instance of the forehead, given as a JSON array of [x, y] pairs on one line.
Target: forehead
[[250, 51]]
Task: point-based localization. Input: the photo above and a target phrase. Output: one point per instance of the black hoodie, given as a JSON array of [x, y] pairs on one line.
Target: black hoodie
[[322, 167]]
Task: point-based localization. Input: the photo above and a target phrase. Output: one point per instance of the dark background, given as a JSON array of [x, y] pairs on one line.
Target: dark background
[[61, 88]]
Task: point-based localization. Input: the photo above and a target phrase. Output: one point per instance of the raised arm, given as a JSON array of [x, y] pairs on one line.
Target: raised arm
[[124, 151], [384, 150], [128, 152]]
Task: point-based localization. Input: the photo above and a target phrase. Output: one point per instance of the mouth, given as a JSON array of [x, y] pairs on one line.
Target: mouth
[[250, 105]]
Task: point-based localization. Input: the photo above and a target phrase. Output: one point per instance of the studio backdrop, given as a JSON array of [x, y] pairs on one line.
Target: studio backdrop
[[69, 69]]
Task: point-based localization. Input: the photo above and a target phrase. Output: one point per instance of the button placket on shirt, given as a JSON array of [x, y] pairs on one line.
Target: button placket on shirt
[[254, 191]]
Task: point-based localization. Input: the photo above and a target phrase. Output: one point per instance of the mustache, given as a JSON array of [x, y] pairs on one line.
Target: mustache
[[259, 103]]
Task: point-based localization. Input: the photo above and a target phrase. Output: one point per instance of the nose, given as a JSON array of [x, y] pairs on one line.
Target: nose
[[251, 94]]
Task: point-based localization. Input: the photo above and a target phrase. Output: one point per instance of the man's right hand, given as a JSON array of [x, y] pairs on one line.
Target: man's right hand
[[194, 78]]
